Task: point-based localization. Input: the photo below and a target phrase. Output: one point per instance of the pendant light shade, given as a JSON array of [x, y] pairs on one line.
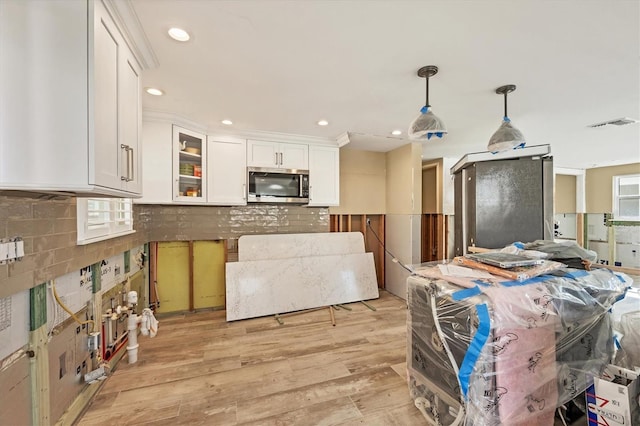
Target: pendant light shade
[[427, 124], [506, 137]]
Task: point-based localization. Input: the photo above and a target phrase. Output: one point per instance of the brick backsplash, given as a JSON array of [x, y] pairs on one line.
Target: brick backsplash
[[48, 228]]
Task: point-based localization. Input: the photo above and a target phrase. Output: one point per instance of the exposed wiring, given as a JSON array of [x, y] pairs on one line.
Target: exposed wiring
[[67, 310], [393, 258], [55, 315]]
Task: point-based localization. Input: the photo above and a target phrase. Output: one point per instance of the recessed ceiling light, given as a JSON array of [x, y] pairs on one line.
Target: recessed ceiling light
[[153, 91], [227, 122], [323, 123], [179, 34], [396, 132]]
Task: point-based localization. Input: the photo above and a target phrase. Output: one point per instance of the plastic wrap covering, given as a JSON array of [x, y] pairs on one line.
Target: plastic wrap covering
[[488, 351], [626, 325]]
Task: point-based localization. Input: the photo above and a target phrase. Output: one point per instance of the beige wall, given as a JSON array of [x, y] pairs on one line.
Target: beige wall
[[432, 182], [362, 182], [430, 190], [599, 186], [564, 195], [404, 179]]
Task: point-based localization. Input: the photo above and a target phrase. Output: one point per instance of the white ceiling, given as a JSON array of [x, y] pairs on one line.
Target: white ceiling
[[280, 66]]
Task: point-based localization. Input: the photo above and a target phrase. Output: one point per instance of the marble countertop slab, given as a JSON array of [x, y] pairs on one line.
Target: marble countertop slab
[[281, 246], [266, 287]]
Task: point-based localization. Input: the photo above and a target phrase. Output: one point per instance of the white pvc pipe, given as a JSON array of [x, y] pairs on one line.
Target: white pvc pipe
[[132, 334]]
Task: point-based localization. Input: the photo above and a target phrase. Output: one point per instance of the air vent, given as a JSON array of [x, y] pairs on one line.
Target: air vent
[[617, 122]]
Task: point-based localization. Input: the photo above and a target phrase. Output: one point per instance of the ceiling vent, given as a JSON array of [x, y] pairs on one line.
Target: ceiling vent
[[617, 122]]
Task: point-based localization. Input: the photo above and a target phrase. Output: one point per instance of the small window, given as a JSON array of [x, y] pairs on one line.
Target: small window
[[103, 218], [626, 197]]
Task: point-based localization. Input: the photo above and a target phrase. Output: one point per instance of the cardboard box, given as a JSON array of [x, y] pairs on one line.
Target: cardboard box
[[613, 398]]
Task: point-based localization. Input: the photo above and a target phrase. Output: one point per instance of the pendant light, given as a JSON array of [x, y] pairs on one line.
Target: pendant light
[[506, 137], [427, 124]]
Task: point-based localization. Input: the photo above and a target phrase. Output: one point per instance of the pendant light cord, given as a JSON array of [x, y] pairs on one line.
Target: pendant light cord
[[427, 94], [505, 105]]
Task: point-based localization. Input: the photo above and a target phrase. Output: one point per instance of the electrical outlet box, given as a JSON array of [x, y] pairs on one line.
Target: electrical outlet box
[[93, 342]]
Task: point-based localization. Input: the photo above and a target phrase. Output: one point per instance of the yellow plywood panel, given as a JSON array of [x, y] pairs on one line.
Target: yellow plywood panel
[[173, 276], [208, 274]]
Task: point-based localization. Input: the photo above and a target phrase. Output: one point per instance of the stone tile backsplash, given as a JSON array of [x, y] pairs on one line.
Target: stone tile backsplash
[[48, 228]]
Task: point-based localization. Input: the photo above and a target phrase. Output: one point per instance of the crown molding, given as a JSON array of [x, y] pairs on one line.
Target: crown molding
[[126, 19]]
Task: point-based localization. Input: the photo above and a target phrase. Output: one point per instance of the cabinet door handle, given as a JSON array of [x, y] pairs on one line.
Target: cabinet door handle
[[130, 176], [281, 159], [276, 161], [126, 149]]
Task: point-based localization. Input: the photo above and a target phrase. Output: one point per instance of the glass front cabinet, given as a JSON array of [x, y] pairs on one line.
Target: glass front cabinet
[[189, 166]]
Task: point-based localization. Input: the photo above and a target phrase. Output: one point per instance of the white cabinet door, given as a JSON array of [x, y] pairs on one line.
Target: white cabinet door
[[130, 112], [294, 156], [157, 175], [277, 155], [262, 154], [324, 176], [106, 45], [227, 172], [189, 166]]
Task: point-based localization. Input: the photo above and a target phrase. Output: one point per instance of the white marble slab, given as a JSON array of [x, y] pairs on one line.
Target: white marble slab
[[266, 287], [282, 246]]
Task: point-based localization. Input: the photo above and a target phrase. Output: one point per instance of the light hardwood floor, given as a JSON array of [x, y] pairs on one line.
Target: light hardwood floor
[[200, 369]]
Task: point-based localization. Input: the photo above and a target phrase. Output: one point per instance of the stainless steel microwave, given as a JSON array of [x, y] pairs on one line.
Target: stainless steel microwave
[[267, 185]]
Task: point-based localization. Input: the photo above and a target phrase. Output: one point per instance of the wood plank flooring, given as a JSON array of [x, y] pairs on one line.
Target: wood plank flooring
[[200, 369]]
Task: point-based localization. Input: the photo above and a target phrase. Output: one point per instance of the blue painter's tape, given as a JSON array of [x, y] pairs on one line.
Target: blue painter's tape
[[534, 280], [467, 292], [482, 283], [473, 353]]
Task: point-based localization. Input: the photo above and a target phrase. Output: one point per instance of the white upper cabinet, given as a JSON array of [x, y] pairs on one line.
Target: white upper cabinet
[[70, 104], [324, 176], [277, 155], [227, 167], [157, 167], [189, 166], [183, 166]]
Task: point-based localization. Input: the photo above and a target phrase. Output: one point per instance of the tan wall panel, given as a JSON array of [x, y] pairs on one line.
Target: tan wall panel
[[173, 276], [564, 194], [404, 180], [599, 186], [208, 274], [15, 403], [430, 190], [362, 182]]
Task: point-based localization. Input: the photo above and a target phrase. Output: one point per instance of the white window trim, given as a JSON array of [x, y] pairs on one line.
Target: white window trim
[[617, 196], [111, 229]]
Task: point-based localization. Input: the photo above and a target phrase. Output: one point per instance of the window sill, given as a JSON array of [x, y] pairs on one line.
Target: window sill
[[103, 237]]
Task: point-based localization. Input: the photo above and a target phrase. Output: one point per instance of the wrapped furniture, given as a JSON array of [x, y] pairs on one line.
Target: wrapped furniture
[[489, 351]]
